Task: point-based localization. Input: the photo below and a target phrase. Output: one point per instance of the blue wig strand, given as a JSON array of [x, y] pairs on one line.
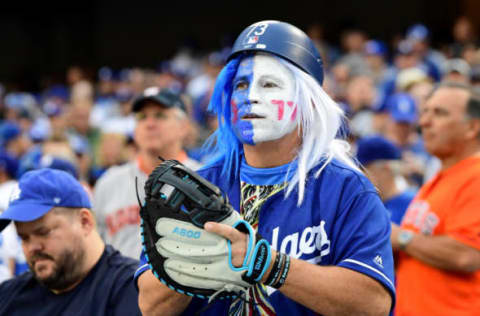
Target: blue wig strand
[[223, 144]]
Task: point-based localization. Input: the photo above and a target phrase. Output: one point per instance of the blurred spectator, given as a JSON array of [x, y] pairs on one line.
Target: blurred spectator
[[405, 56], [408, 77], [168, 77], [419, 36], [82, 93], [72, 271], [353, 43], [457, 70], [57, 93], [120, 118], [55, 147], [17, 143], [112, 150], [407, 68], [360, 96], [200, 89], [107, 81], [439, 238], [375, 56], [12, 259], [74, 75], [161, 126], [381, 117], [463, 34], [329, 53], [415, 82], [81, 134], [55, 112], [382, 161], [50, 161], [401, 130], [471, 54], [10, 248], [137, 80], [22, 108]]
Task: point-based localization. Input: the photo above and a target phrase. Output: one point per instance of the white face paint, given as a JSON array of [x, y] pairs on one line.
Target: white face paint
[[263, 107]]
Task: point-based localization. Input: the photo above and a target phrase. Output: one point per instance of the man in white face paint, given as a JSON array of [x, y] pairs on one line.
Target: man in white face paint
[[263, 96], [283, 167]]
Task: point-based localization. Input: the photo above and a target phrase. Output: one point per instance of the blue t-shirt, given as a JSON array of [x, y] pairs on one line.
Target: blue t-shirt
[[341, 222], [397, 205], [108, 289]]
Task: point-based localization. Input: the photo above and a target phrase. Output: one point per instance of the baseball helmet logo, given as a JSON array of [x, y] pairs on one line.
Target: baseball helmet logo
[[284, 40]]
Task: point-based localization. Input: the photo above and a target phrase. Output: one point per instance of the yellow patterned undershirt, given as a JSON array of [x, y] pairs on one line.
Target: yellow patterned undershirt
[[253, 197]]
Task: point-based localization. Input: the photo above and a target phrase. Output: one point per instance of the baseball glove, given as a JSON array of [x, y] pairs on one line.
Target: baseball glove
[[180, 252]]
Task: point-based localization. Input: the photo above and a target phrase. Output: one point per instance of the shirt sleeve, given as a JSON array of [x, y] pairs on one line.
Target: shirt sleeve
[[98, 207], [363, 239], [142, 267], [125, 299]]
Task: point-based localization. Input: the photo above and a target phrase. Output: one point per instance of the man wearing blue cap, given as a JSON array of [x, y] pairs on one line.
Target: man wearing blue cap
[[419, 37], [13, 140], [279, 159], [401, 130], [72, 272], [376, 58], [382, 160]]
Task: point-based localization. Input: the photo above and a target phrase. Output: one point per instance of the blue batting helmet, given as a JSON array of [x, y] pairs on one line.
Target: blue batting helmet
[[284, 40]]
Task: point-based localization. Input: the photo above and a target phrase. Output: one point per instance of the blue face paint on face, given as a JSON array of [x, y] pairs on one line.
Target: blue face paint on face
[[240, 102]]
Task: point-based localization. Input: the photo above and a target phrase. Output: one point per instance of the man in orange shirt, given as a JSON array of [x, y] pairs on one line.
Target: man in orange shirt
[[438, 271]]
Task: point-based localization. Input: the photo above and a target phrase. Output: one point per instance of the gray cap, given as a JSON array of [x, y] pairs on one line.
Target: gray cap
[[458, 65], [164, 97]]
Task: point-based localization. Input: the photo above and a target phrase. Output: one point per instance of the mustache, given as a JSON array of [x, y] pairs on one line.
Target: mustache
[[39, 256]]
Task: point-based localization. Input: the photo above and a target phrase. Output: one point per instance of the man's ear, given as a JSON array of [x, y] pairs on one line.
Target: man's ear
[[87, 220], [473, 129]]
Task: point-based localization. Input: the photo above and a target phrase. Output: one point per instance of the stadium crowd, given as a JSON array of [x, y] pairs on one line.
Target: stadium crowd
[[87, 126]]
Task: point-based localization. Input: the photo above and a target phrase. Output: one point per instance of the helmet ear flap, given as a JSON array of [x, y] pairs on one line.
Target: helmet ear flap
[[284, 40]]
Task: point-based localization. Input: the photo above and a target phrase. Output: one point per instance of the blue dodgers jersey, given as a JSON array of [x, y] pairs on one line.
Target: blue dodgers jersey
[[341, 222]]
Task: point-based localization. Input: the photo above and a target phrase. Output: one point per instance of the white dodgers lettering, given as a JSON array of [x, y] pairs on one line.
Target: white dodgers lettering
[[310, 239]]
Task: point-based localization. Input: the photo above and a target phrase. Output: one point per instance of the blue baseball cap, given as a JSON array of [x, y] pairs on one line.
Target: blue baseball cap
[[8, 132], [8, 163], [417, 32], [124, 95], [370, 149], [374, 47], [402, 108], [41, 190], [405, 47], [53, 108], [50, 161]]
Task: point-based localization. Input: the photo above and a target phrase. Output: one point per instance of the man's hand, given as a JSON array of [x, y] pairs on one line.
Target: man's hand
[[394, 236], [156, 298], [238, 239], [239, 242]]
